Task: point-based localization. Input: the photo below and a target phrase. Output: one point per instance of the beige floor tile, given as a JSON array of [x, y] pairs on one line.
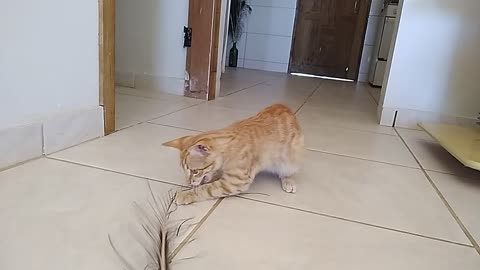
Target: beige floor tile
[[463, 195], [242, 234], [433, 156], [137, 150], [156, 95], [318, 115], [204, 117], [295, 83], [375, 92], [236, 79], [359, 144], [230, 85], [344, 95], [57, 215], [258, 97], [380, 194], [131, 110]]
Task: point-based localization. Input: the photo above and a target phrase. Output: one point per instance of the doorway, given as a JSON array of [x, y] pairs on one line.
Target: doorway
[[328, 37], [146, 61], [283, 37]]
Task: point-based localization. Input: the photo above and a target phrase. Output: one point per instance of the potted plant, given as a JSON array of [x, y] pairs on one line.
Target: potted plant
[[239, 10]]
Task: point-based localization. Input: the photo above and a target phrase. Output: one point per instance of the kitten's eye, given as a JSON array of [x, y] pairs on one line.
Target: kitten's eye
[[195, 172]]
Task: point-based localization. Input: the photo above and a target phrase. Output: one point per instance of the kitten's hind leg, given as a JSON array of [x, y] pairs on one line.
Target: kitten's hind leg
[[286, 172], [288, 184]]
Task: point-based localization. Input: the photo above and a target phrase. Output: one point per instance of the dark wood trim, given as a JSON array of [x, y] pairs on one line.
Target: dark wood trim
[[199, 56], [107, 62], [212, 85]]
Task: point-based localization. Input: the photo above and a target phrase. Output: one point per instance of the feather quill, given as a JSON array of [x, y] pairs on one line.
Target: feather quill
[[156, 225]]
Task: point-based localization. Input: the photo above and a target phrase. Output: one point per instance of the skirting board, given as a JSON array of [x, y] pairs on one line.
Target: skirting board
[[60, 131], [144, 81], [406, 118]]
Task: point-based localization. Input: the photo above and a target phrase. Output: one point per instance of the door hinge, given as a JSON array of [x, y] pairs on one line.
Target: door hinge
[[187, 37], [355, 8]]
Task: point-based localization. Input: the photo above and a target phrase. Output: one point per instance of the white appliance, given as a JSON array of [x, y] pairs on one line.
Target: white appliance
[[382, 45]]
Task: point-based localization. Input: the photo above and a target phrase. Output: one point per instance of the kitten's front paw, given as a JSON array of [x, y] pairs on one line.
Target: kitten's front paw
[[184, 197], [288, 185]]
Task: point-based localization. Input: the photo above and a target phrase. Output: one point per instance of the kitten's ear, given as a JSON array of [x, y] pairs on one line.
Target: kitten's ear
[[199, 150], [179, 143]]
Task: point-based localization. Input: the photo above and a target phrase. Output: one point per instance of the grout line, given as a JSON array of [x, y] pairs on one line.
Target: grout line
[[365, 159], [444, 200], [357, 222], [20, 163], [453, 174], [75, 145], [355, 129], [245, 88], [156, 117], [151, 123], [157, 99], [309, 96], [113, 171], [185, 241]]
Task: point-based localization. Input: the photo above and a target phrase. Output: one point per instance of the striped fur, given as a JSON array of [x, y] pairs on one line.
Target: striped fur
[[224, 162]]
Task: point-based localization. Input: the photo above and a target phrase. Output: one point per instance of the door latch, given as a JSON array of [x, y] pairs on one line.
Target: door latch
[[187, 37]]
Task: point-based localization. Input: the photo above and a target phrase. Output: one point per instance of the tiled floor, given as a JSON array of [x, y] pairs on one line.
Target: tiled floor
[[368, 197]]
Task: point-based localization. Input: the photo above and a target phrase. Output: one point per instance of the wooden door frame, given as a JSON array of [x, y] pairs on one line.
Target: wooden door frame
[[215, 70], [202, 63], [106, 42]]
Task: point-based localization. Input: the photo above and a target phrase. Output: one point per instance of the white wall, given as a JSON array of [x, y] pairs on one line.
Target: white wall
[[149, 43], [48, 58], [49, 91], [436, 60], [266, 43]]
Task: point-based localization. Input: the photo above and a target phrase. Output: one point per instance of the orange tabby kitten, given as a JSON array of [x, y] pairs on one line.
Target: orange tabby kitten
[[224, 162]]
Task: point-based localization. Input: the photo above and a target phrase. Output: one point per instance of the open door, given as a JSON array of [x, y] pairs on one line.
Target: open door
[[328, 37], [202, 56]]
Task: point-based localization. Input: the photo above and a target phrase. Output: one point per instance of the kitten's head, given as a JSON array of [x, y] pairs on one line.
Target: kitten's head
[[199, 159]]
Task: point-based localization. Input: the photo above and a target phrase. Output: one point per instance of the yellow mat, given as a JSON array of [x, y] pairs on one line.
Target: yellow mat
[[462, 142]]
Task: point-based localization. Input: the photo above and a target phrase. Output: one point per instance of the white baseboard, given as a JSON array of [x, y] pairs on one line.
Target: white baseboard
[[126, 79], [19, 144], [60, 131], [66, 130], [406, 118], [164, 84], [386, 116]]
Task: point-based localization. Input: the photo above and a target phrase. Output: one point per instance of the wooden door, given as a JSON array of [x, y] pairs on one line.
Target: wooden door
[[328, 37], [204, 19]]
